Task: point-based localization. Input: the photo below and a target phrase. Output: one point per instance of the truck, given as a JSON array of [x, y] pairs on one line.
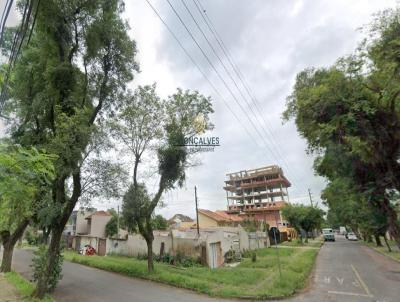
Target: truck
[[342, 230], [328, 235]]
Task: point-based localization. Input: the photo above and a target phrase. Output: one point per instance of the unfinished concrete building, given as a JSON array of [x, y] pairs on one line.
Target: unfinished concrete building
[[258, 194]]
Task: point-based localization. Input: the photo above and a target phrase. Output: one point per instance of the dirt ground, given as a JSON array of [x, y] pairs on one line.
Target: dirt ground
[[8, 292]]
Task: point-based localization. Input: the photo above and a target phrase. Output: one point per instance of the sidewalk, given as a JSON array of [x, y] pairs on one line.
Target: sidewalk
[[8, 292]]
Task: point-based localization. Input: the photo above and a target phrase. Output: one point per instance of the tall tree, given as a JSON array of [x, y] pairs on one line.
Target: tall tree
[[303, 217], [147, 120], [65, 84], [350, 114], [24, 175]]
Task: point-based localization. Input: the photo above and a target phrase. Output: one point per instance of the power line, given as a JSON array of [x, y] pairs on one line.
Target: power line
[[239, 74], [223, 81], [217, 72], [198, 68], [19, 38], [4, 17]]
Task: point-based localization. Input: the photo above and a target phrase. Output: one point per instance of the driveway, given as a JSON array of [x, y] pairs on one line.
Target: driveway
[[345, 271]]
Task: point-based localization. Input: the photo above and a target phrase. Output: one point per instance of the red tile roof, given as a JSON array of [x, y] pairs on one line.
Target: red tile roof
[[221, 216]]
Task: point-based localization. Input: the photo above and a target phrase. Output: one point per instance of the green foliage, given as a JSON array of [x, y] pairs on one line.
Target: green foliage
[[24, 287], [32, 237], [349, 114], [39, 265], [249, 279], [145, 121], [159, 223], [24, 175], [66, 82], [253, 257], [112, 227], [303, 217]]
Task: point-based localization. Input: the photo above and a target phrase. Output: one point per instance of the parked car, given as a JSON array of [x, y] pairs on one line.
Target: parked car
[[328, 235], [352, 237]]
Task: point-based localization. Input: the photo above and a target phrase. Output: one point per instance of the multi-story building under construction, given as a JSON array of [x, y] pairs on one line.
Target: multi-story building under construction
[[258, 194]]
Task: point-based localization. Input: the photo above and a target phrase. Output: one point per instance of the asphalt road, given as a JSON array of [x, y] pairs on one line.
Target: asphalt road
[[345, 271], [348, 271]]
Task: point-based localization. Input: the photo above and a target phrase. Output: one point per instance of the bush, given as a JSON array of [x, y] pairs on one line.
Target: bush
[[179, 259], [247, 254], [253, 257], [33, 238], [39, 267]]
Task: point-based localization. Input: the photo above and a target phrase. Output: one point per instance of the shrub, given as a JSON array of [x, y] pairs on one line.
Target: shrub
[[253, 257], [39, 267]]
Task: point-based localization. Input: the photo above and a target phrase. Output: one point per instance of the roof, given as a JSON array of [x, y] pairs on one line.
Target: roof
[[181, 217], [220, 216], [98, 213]]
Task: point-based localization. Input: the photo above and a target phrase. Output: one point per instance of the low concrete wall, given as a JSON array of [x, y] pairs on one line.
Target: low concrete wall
[[190, 244]]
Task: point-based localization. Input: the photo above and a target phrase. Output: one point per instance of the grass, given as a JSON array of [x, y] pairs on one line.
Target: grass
[[256, 280], [24, 287], [394, 254], [317, 242]]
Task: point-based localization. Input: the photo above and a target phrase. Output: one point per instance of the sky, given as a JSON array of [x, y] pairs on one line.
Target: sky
[[270, 42]]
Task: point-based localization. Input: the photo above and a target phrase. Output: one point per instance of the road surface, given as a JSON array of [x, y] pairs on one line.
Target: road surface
[[345, 272]]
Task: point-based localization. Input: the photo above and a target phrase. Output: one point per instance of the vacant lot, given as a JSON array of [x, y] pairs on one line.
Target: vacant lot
[[260, 279]]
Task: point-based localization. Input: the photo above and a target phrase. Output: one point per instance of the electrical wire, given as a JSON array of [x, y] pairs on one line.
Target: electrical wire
[[223, 81], [4, 17], [240, 76]]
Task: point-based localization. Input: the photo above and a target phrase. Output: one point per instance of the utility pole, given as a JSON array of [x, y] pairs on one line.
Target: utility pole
[[197, 211], [118, 222], [309, 194]]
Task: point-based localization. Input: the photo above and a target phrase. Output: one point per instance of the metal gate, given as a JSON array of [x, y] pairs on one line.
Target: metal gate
[[214, 253], [101, 251]]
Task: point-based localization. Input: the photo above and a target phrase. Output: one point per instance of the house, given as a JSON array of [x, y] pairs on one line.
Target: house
[[90, 229], [209, 219], [180, 221]]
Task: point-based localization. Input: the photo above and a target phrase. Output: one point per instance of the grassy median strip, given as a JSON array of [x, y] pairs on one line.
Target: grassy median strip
[[256, 280], [394, 254], [24, 287]]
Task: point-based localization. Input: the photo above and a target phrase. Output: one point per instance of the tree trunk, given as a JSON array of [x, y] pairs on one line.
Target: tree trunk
[[52, 256], [9, 241], [387, 244], [7, 257], [369, 238], [150, 263], [57, 230], [306, 240], [378, 240], [394, 228]]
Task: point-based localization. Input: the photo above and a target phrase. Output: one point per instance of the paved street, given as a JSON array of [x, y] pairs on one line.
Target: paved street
[[345, 271], [350, 272]]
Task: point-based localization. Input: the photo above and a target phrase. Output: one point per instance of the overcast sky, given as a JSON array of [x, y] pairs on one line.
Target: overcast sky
[[270, 41]]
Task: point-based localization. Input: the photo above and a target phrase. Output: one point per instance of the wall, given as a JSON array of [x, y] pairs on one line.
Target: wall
[[206, 222], [81, 223], [98, 225], [135, 244], [189, 243]]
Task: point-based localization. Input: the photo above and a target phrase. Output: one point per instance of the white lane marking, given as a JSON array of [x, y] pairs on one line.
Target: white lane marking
[[347, 294], [361, 281], [327, 279], [340, 280]]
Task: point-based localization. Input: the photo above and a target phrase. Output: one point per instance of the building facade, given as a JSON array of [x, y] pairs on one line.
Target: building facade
[[258, 194]]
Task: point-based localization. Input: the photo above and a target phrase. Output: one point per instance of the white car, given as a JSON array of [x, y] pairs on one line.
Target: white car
[[352, 237]]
